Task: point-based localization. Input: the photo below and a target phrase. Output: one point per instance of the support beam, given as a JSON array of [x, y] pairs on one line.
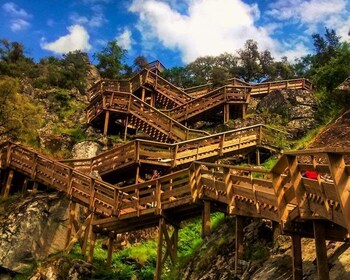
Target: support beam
[[257, 156], [85, 239], [297, 257], [72, 212], [35, 187], [25, 185], [105, 128], [321, 251], [8, 184], [170, 246], [226, 113], [92, 247], [239, 247], [92, 240], [126, 127], [110, 251], [158, 271], [206, 224]]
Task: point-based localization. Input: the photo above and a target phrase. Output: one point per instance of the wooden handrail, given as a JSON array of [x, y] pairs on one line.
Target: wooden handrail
[[270, 195]]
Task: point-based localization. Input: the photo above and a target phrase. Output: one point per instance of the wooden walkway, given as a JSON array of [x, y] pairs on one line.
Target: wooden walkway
[[282, 195], [302, 207], [182, 153]]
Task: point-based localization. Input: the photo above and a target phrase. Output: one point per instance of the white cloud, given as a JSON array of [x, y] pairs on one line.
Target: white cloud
[[18, 16], [13, 10], [19, 24], [311, 14], [124, 39], [77, 39], [209, 27], [96, 20], [310, 11]]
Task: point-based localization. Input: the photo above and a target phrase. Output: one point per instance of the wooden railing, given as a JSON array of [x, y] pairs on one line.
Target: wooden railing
[[265, 88], [177, 154], [282, 194], [226, 94], [145, 77], [94, 193], [128, 103], [327, 196], [246, 191]]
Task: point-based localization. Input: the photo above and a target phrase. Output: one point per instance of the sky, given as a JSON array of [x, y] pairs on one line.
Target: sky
[[174, 31]]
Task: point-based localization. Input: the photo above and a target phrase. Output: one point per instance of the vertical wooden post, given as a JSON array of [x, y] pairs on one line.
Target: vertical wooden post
[[126, 127], [321, 251], [257, 156], [143, 93], [244, 109], [35, 187], [159, 251], [85, 239], [297, 257], [25, 184], [92, 246], [239, 234], [137, 174], [206, 225], [110, 251], [72, 208], [8, 183], [175, 240], [92, 240], [105, 128], [226, 112]]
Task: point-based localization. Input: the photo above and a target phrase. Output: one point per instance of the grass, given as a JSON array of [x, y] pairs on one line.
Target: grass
[[307, 139]]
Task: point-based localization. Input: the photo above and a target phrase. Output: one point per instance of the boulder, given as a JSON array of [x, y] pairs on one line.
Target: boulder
[[31, 228], [64, 268], [86, 149]]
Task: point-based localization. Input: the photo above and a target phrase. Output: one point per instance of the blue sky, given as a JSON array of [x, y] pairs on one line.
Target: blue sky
[[173, 31]]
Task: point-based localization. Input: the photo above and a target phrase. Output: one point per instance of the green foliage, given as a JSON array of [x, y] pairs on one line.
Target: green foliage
[[307, 139], [110, 61], [258, 251], [19, 116]]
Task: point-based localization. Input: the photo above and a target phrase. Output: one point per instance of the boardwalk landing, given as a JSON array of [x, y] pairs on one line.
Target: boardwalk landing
[[303, 207]]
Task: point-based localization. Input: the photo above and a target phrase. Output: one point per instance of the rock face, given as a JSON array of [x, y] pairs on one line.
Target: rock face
[[31, 228], [64, 268], [86, 149], [264, 258]]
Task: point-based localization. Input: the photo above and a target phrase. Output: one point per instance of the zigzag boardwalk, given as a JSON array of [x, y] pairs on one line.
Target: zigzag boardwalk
[[302, 206], [181, 153]]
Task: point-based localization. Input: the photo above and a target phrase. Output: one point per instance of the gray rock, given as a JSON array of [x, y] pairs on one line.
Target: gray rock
[[86, 149], [32, 236]]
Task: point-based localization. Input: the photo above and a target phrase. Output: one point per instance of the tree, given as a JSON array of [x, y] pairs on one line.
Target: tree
[[11, 52], [178, 76], [249, 68], [325, 47], [19, 116], [110, 61], [75, 67], [140, 62]]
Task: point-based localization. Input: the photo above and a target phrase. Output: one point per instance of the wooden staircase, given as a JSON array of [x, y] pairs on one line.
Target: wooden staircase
[[142, 116], [213, 99]]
